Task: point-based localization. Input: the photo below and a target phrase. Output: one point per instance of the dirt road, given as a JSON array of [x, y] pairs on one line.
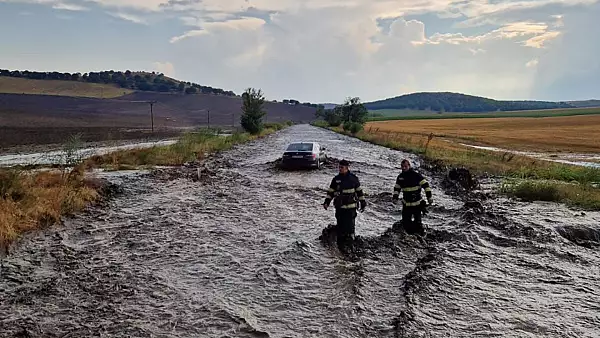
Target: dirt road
[[237, 255]]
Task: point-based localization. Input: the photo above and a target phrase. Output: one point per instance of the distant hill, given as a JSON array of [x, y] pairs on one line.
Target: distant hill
[[585, 104], [455, 102], [14, 85], [140, 81]]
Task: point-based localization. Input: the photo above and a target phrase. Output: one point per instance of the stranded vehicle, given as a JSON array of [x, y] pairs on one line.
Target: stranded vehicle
[[304, 154]]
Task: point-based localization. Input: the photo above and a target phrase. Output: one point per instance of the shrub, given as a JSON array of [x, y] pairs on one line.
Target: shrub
[[252, 107], [352, 127], [320, 123]]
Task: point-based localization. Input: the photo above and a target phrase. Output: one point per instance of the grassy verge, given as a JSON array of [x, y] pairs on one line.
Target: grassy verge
[[34, 199], [577, 195], [528, 178], [29, 200], [192, 146]]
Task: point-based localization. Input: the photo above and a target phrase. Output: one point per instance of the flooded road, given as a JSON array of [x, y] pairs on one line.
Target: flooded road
[[63, 156], [237, 254]]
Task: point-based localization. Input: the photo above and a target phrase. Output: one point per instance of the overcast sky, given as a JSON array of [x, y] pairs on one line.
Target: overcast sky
[[320, 50]]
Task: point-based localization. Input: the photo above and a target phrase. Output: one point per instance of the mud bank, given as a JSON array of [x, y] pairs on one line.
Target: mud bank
[[237, 253]]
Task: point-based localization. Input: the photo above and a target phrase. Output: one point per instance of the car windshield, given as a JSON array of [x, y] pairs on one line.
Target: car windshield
[[300, 147]]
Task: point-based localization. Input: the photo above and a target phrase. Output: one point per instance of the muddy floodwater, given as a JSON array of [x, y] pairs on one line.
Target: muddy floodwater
[[237, 254]]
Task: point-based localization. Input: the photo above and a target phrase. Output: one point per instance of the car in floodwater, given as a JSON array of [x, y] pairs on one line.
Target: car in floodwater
[[304, 155]]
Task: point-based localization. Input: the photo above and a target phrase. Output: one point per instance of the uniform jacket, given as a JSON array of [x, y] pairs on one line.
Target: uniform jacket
[[345, 191], [411, 182]]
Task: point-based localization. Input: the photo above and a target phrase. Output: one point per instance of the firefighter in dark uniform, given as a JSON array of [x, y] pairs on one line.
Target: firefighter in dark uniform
[[346, 192], [410, 182]]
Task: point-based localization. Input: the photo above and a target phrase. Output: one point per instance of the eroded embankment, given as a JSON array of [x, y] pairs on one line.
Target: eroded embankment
[[237, 253]]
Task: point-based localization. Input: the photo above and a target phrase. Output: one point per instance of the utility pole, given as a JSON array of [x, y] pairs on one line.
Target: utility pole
[[152, 113]]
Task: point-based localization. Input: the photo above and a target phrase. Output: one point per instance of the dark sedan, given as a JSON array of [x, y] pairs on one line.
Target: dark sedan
[[304, 154]]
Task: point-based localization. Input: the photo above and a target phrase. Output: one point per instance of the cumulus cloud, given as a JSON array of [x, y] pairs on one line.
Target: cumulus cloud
[[532, 63], [241, 24], [323, 50], [69, 7], [166, 68]]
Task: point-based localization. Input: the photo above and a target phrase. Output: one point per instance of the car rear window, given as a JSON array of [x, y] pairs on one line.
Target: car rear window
[[300, 147]]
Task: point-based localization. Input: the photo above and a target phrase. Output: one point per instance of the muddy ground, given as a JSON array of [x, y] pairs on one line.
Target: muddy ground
[[236, 253], [23, 140]]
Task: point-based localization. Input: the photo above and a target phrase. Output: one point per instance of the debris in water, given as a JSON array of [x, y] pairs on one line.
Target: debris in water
[[583, 236], [459, 181]]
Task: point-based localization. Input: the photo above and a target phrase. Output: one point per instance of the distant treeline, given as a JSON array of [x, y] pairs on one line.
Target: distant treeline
[[143, 81], [297, 103], [454, 102]]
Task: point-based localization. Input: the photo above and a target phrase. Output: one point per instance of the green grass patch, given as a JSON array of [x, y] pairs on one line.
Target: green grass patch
[[575, 195], [192, 146], [320, 123]]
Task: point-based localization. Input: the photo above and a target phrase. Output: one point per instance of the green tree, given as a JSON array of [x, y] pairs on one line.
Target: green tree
[[320, 111], [252, 110], [352, 110]]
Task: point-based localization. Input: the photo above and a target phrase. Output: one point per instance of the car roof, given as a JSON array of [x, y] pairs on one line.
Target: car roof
[[302, 142]]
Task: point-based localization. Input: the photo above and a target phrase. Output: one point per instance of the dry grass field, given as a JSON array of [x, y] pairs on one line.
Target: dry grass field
[[32, 199], [12, 85], [580, 134]]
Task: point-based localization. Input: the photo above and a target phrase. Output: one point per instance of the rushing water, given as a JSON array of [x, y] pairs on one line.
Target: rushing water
[[236, 254]]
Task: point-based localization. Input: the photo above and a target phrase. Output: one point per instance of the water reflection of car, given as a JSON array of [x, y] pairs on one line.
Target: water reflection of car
[[304, 155]]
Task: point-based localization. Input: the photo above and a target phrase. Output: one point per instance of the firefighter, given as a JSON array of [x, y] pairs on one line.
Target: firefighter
[[346, 192], [410, 182]]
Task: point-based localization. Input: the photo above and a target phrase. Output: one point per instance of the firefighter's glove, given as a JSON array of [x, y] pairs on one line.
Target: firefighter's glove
[[363, 205], [430, 201]]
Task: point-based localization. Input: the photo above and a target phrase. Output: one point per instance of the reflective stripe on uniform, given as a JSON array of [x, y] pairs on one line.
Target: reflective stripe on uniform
[[348, 191], [358, 189], [428, 189], [397, 186], [349, 206], [361, 198], [407, 189], [411, 204], [423, 182], [331, 190]]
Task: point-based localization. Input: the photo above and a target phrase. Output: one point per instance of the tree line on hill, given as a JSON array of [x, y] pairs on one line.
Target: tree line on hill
[[454, 102], [142, 81], [293, 102]]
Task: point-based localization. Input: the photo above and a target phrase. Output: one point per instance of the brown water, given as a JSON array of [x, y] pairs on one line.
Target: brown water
[[237, 255]]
